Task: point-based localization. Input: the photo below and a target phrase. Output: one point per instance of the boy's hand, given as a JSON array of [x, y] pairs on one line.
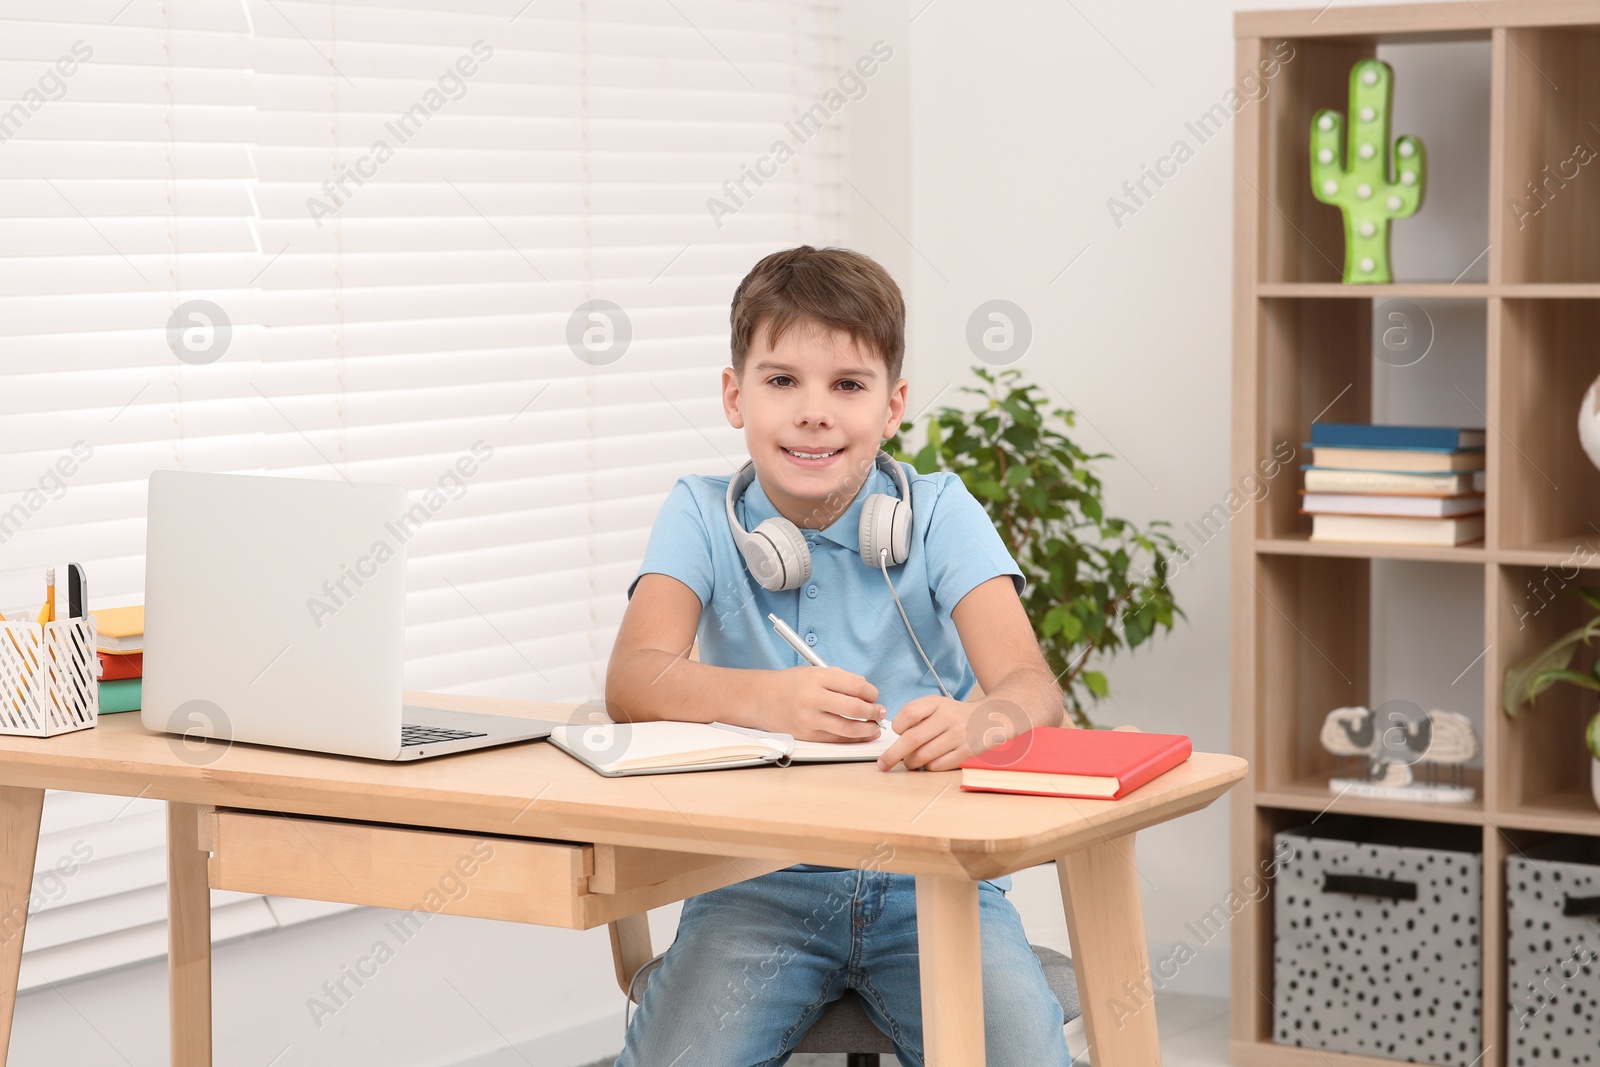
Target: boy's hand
[[824, 704], [938, 732]]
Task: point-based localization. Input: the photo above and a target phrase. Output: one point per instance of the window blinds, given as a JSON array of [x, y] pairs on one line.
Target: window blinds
[[367, 241]]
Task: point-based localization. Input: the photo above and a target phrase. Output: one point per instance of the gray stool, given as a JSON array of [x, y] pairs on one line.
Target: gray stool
[[845, 1027]]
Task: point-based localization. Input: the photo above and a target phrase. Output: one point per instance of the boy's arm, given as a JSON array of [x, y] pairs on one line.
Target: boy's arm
[[650, 676], [1000, 644], [1019, 690]]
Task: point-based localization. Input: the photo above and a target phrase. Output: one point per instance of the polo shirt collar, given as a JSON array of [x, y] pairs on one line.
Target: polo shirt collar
[[844, 531]]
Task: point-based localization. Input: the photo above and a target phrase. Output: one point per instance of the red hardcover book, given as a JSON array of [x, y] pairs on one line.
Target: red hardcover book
[[1061, 761], [114, 668]]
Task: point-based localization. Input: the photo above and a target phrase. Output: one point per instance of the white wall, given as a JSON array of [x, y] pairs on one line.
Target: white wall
[[1026, 119], [983, 157]]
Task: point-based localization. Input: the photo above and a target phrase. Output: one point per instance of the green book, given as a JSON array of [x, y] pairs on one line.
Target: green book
[[120, 695]]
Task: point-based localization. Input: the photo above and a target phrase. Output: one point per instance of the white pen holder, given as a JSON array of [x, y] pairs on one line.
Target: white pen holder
[[49, 677]]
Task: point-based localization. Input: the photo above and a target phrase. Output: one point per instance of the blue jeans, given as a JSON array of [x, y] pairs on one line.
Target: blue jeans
[[754, 964]]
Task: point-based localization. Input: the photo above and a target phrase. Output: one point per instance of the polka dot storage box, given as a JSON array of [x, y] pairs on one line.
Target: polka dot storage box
[[1553, 953], [1375, 939]]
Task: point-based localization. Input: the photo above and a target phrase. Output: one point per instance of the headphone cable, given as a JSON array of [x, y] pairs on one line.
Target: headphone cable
[[883, 555]]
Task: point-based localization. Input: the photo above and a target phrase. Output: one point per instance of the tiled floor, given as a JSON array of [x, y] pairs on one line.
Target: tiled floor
[[1194, 1033]]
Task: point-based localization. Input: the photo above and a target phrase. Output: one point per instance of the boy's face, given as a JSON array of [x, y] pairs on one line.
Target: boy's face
[[817, 391]]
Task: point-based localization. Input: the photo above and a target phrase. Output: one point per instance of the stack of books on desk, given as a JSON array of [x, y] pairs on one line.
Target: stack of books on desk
[[121, 648], [1411, 485]]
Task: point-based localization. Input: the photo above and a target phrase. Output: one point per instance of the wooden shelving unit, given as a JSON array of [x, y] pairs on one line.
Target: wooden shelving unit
[[1304, 347]]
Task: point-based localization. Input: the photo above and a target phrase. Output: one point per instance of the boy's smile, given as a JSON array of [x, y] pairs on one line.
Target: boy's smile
[[815, 410]]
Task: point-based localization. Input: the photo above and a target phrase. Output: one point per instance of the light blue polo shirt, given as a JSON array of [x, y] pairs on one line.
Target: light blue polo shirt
[[845, 612]]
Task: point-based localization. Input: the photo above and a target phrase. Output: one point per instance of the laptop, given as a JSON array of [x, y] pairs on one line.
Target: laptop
[[275, 615]]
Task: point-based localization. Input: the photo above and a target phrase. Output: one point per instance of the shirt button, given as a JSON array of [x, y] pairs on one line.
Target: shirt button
[[811, 590], [811, 638]]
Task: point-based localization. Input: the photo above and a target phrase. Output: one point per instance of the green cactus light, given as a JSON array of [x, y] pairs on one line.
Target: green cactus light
[[1357, 179]]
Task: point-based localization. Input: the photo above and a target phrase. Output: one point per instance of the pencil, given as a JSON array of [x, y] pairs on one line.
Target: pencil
[[48, 612]]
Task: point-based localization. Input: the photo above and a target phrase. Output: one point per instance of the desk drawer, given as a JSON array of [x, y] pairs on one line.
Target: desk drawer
[[550, 883]]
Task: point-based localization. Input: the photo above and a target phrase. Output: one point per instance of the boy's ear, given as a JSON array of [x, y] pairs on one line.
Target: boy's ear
[[897, 408], [730, 398]]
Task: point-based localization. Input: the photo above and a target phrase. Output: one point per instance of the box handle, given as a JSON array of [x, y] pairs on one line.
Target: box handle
[[1581, 906], [1366, 886]]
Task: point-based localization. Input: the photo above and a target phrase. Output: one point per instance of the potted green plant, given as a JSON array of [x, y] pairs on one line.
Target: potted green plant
[[1096, 583], [1524, 681]]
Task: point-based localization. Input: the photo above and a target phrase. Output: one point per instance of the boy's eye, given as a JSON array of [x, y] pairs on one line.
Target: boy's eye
[[783, 381]]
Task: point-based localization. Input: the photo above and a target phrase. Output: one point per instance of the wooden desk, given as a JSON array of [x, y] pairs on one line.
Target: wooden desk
[[548, 841]]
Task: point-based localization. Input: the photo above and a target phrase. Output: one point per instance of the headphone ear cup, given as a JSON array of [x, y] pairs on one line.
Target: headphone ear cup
[[784, 560], [900, 532], [885, 523], [760, 559]]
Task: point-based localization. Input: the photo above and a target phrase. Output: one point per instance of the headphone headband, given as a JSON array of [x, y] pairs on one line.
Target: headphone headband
[[747, 473], [779, 558], [776, 550], [736, 486], [896, 472]]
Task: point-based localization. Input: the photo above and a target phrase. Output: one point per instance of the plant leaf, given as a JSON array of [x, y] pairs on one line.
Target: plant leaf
[[1096, 585], [1520, 677], [1545, 679], [1071, 628], [1050, 625]]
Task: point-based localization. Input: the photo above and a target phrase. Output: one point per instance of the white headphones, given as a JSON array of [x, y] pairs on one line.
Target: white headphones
[[777, 553]]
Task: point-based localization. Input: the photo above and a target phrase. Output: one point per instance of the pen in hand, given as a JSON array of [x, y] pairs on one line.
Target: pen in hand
[[794, 641]]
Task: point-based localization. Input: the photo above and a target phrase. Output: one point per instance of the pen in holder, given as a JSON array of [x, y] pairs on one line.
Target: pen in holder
[[49, 676]]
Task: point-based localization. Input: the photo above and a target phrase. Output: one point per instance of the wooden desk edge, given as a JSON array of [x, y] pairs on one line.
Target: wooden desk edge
[[974, 858]]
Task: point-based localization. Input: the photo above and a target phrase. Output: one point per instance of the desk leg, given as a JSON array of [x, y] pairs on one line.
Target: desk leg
[[1100, 888], [20, 809], [188, 937], [949, 944]]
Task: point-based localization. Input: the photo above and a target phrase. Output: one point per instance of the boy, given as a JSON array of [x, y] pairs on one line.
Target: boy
[[818, 341]]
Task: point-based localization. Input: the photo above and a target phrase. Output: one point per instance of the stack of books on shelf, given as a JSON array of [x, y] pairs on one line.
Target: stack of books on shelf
[[121, 648], [1403, 485]]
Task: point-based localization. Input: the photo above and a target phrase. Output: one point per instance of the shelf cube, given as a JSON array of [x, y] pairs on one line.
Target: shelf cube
[[1553, 953], [1376, 940]]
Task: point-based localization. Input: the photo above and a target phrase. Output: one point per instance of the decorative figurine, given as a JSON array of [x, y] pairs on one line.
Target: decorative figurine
[[1348, 733], [1356, 179], [1381, 764]]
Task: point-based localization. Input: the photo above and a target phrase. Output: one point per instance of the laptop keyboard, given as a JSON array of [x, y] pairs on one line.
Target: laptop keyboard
[[411, 736]]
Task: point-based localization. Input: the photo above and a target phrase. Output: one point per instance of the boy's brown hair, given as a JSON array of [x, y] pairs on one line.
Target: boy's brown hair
[[832, 286]]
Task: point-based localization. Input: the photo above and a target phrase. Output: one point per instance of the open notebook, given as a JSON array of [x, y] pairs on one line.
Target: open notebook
[[619, 749]]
